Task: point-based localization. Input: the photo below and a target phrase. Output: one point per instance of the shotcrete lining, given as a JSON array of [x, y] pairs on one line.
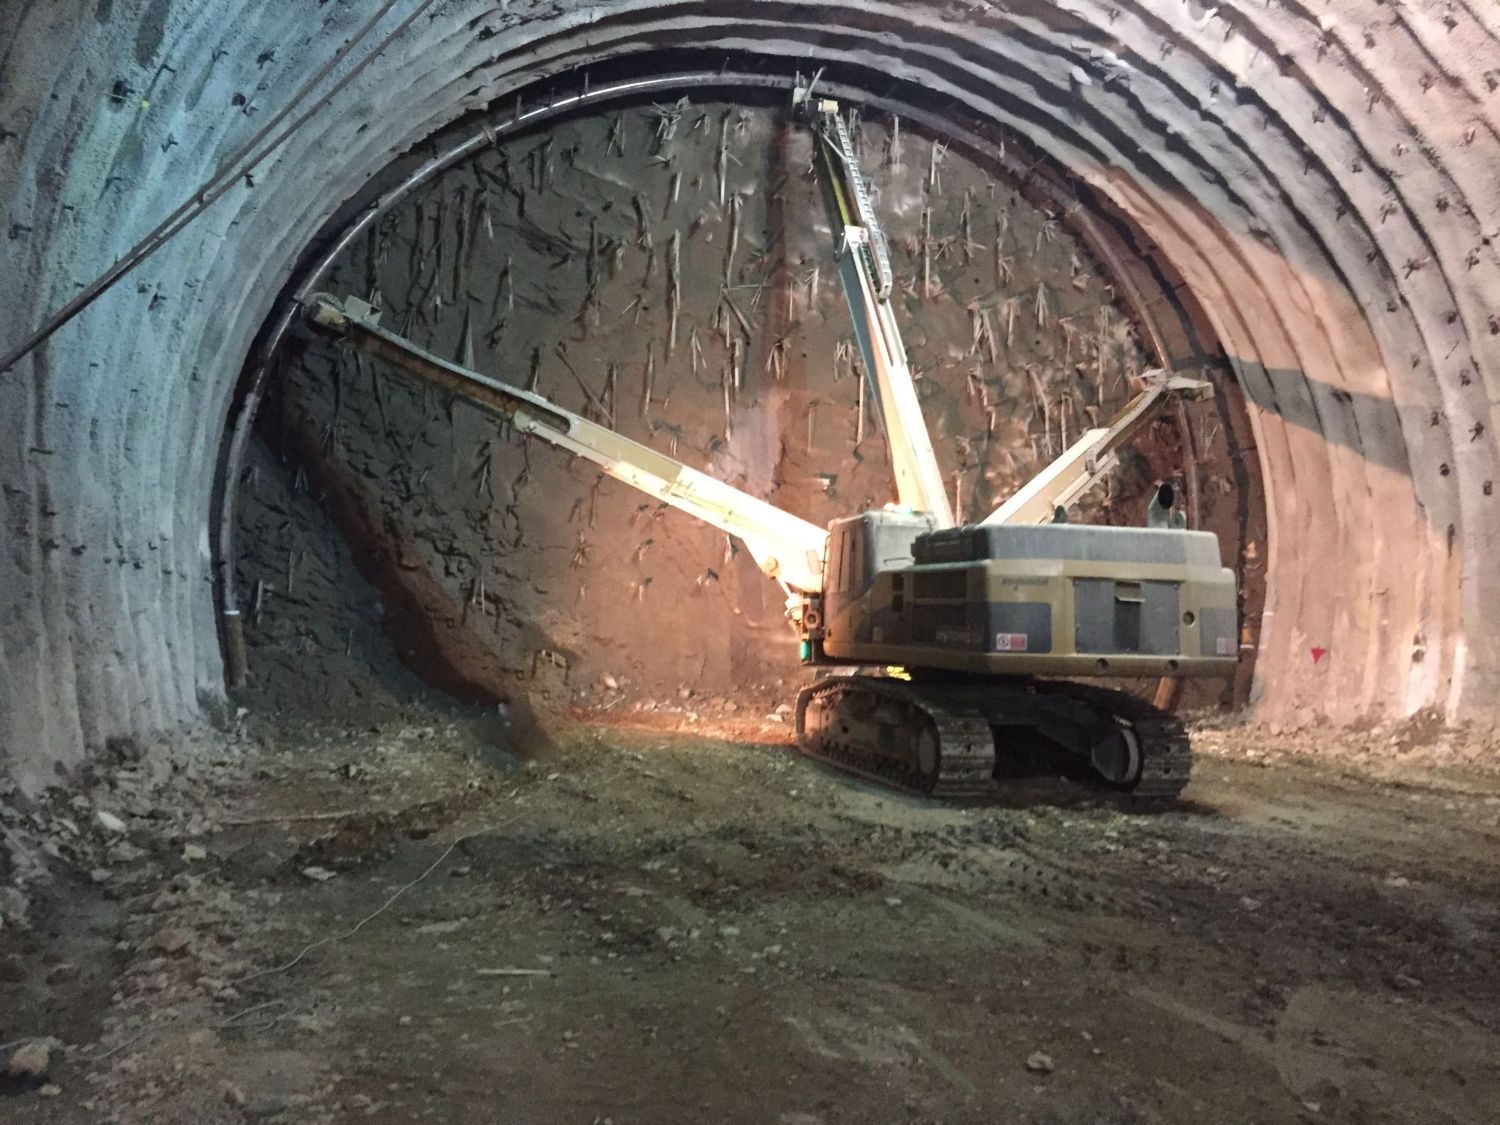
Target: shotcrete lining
[[1454, 501]]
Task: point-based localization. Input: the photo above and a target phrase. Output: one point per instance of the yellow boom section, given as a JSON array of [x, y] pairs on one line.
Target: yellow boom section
[[786, 547]]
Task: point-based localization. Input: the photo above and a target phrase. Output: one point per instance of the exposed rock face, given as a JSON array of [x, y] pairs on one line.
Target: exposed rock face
[[618, 264], [1324, 180]]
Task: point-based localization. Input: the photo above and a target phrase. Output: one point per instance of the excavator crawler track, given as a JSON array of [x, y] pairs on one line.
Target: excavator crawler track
[[940, 740], [876, 727], [1165, 748]]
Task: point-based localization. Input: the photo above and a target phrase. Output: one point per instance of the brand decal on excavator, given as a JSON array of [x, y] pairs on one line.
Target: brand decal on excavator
[[1010, 642], [960, 637]]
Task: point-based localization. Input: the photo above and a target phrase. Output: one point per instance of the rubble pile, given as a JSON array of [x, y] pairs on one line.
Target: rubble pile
[[1387, 751], [87, 873]]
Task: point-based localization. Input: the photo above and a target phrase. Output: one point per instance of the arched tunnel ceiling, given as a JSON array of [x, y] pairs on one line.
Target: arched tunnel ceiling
[[1322, 176]]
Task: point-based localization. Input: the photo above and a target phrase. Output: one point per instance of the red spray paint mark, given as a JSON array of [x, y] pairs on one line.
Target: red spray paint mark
[[1317, 653]]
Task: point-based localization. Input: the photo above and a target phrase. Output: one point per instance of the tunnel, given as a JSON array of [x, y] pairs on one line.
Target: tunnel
[[213, 512]]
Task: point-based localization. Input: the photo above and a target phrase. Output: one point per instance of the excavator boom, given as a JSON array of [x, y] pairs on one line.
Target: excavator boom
[[865, 270], [1089, 459], [786, 547]]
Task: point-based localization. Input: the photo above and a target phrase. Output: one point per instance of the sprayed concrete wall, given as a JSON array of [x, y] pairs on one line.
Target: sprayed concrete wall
[[1323, 178]]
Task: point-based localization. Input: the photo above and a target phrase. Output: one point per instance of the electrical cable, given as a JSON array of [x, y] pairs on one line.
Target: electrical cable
[[222, 180]]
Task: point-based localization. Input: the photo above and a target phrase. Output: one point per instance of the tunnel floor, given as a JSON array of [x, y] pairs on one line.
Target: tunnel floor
[[397, 922]]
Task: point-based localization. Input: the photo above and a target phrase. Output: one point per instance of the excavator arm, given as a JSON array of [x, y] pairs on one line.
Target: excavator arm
[[786, 547], [1094, 454], [865, 270]]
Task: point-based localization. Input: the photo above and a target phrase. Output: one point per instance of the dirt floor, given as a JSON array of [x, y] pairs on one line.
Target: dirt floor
[[398, 922]]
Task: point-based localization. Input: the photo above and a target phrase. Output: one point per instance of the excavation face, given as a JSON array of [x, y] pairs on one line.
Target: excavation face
[[667, 269]]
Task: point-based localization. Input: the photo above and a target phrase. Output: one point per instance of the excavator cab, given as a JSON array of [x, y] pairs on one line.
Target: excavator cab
[[866, 553]]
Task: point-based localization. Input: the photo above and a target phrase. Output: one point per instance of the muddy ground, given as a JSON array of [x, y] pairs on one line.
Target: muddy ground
[[401, 922]]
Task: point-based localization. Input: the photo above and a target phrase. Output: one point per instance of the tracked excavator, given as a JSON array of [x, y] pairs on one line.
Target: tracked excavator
[[948, 656]]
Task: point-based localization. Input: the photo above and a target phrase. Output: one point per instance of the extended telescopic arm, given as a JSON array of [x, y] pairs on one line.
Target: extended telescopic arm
[[865, 269], [1089, 459], [786, 547]]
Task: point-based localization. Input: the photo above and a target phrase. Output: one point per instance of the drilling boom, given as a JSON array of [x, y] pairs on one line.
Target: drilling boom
[[865, 270], [1089, 459], [786, 547]]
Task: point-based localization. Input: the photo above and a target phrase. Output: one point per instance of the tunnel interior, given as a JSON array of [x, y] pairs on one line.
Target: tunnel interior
[[364, 755], [1267, 203]]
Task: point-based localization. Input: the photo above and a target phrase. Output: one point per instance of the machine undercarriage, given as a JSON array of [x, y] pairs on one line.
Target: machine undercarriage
[[948, 739]]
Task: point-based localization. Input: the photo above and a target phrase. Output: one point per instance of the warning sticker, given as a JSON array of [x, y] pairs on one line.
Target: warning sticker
[[1010, 642]]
